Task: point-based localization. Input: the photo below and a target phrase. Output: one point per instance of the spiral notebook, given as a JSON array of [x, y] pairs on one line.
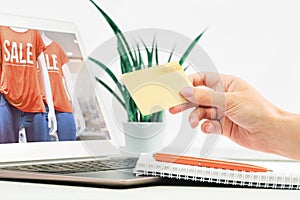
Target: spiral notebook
[[284, 174]]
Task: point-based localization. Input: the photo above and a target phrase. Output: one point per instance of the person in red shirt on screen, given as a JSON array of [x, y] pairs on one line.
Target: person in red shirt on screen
[[20, 102], [56, 62]]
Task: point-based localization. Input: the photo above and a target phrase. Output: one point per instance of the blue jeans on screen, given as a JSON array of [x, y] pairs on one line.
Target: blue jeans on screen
[[12, 119], [66, 128]]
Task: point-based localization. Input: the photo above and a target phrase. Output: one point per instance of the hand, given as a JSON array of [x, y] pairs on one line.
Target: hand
[[231, 107], [52, 124]]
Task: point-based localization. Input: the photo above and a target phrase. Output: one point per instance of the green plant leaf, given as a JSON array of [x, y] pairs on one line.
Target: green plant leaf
[[186, 68], [111, 91], [154, 117], [160, 116], [140, 60], [134, 109], [130, 111], [156, 54], [157, 117], [123, 42], [126, 66], [146, 118], [136, 59], [190, 48], [131, 59], [110, 73], [171, 54], [149, 53]]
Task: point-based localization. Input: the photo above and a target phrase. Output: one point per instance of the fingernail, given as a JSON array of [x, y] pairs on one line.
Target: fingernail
[[187, 92], [193, 122], [209, 128]]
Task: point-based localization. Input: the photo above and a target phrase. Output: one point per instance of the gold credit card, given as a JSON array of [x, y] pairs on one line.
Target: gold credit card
[[157, 88]]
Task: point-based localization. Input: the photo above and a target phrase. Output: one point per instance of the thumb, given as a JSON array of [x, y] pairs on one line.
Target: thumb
[[204, 96]]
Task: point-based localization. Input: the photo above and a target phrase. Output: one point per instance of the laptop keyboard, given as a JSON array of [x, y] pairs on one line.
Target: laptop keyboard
[[78, 166]]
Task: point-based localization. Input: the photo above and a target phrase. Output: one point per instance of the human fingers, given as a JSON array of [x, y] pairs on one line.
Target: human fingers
[[212, 126], [201, 113], [204, 97], [209, 79], [182, 107]]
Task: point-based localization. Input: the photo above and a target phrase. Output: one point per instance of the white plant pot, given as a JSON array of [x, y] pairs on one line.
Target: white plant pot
[[143, 137]]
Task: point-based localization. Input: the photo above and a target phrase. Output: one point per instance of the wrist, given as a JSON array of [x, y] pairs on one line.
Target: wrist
[[285, 134]]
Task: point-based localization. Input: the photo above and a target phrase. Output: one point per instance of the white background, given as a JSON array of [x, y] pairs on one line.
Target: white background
[[258, 40]]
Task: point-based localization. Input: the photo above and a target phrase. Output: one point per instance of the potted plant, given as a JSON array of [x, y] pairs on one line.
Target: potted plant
[[131, 59]]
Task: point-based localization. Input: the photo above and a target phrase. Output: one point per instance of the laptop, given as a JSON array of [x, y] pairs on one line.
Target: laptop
[[90, 160]]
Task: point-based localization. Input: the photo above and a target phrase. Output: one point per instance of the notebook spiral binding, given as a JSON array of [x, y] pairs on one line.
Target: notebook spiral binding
[[211, 175]]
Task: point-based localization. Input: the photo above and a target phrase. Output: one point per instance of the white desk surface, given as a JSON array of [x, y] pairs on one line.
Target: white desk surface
[[34, 191], [16, 190]]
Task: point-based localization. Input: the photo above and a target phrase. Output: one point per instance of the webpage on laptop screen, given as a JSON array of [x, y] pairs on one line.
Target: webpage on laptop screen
[[25, 111]]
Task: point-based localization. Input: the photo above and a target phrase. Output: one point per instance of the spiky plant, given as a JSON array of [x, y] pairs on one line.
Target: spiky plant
[[131, 59]]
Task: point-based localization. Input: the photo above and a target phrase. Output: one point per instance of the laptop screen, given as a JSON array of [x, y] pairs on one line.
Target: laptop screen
[[71, 80]]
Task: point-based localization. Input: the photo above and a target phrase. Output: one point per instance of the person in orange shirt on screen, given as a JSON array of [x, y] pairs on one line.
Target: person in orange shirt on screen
[[20, 102], [56, 62]]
